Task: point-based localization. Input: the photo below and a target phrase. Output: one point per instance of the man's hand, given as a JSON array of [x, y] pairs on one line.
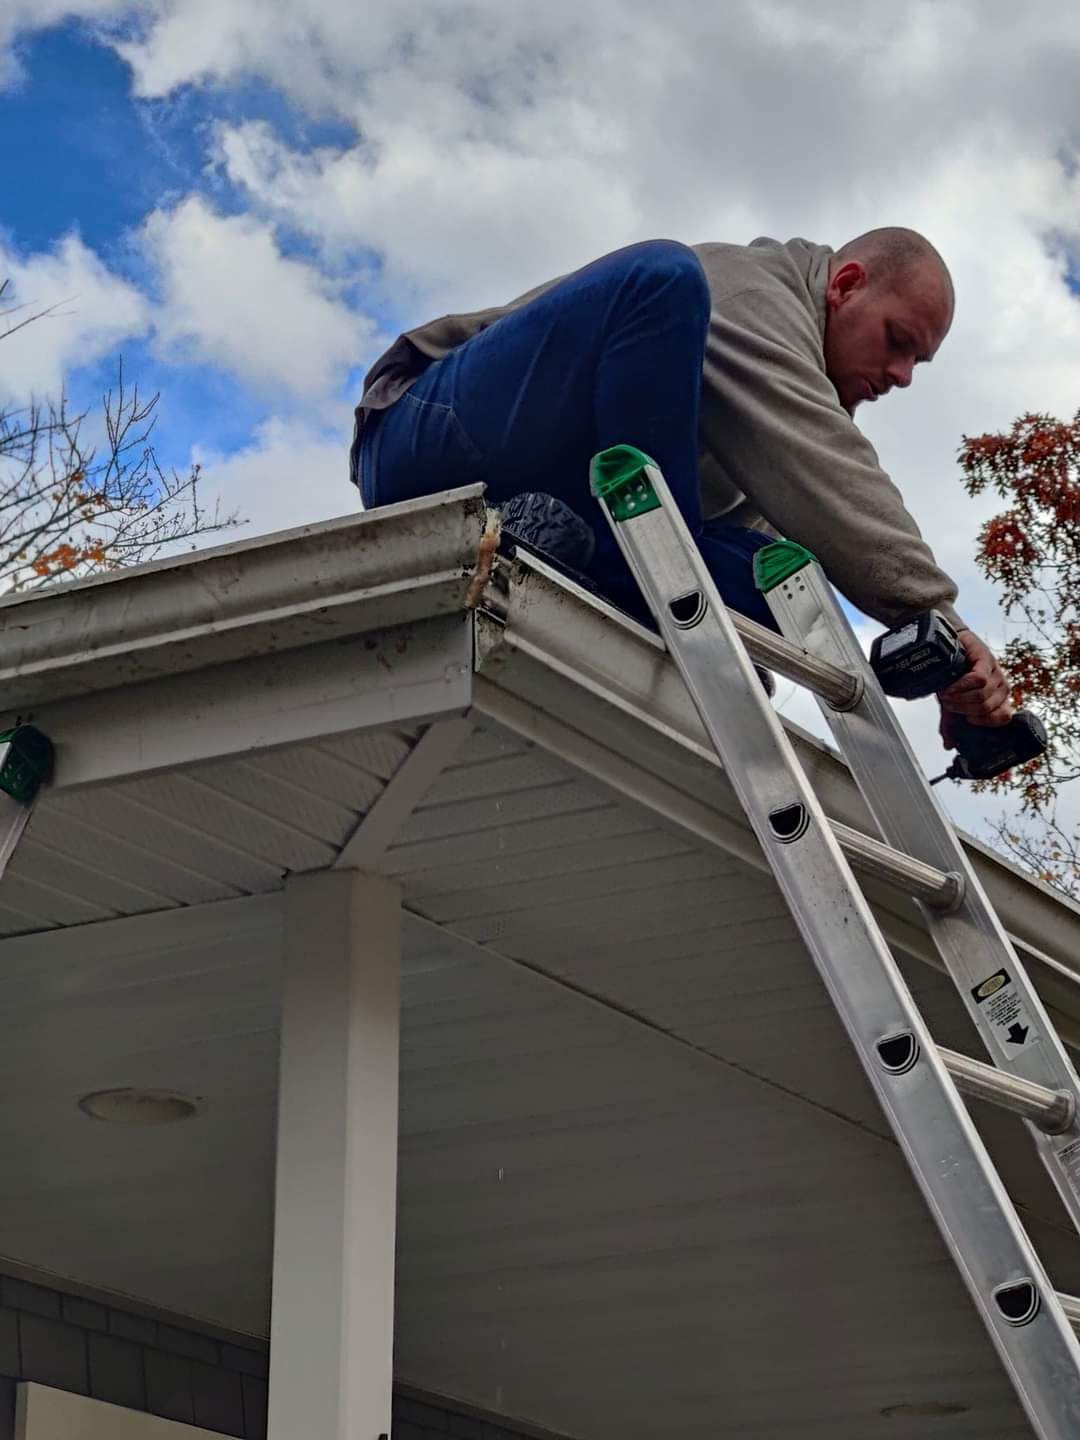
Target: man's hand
[[981, 696]]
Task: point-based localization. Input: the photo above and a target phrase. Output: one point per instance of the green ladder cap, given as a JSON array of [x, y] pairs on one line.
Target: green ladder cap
[[26, 756], [617, 477], [773, 564]]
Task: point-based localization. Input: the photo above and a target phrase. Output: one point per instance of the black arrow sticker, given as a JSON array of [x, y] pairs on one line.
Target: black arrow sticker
[[1001, 1005]]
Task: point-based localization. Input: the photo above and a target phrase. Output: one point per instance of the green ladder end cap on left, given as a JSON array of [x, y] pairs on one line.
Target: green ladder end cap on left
[[617, 478], [26, 758], [773, 564]]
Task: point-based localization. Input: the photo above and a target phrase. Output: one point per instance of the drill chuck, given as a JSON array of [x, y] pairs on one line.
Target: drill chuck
[[983, 751]]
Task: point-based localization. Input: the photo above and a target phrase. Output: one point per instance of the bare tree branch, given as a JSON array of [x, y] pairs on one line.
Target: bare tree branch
[[69, 507]]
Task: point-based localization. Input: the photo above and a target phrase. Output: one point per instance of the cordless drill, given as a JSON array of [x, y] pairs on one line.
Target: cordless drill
[[922, 656]]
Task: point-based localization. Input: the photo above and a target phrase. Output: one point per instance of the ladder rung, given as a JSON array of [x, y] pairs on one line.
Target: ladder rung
[[840, 688], [1052, 1110], [943, 889]]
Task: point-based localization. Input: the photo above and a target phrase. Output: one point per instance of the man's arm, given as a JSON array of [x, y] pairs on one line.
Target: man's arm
[[773, 423]]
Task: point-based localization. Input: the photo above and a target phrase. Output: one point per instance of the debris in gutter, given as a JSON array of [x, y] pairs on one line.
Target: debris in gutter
[[485, 558]]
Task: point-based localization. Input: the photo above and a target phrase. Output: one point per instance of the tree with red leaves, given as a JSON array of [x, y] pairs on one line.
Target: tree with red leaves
[[1032, 551]]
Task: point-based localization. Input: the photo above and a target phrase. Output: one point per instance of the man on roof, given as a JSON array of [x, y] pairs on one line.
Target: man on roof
[[738, 368]]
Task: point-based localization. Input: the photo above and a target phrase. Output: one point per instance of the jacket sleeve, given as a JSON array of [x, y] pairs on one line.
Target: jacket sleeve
[[772, 421]]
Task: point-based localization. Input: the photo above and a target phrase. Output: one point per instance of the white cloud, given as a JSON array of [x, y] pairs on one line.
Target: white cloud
[[231, 298], [1015, 343], [292, 42], [290, 474], [435, 251], [537, 135], [92, 311]]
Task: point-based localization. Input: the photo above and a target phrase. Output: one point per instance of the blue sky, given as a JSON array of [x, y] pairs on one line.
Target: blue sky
[[248, 198], [65, 146], [102, 159], [82, 154]]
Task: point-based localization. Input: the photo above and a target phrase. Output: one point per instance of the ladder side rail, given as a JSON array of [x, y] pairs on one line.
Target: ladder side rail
[[935, 1131], [974, 946], [13, 820], [26, 761]]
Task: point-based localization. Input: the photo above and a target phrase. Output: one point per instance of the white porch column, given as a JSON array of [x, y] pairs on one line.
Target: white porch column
[[332, 1326]]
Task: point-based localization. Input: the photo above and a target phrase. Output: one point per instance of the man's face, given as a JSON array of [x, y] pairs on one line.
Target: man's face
[[876, 335]]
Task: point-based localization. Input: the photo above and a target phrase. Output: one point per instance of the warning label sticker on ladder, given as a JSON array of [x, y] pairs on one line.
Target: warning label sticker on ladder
[[1001, 1005]]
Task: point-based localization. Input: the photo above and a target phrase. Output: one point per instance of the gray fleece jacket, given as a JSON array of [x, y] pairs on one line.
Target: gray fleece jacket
[[778, 450]]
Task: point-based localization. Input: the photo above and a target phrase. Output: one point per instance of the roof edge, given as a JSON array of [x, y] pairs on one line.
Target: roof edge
[[397, 564]]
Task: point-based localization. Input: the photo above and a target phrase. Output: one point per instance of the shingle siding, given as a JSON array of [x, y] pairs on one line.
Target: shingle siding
[[172, 1370], [54, 1353], [117, 1371]]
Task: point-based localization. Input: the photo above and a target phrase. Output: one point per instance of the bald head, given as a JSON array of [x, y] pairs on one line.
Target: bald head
[[889, 305], [899, 259]]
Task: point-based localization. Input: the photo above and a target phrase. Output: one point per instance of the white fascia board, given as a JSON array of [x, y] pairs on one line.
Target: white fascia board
[[323, 582], [618, 705], [403, 675]]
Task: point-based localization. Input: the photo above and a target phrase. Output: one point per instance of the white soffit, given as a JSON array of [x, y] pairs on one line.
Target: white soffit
[[226, 719], [206, 832], [618, 1202]]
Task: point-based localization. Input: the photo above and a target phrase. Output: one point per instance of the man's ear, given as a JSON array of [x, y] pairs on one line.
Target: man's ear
[[845, 281]]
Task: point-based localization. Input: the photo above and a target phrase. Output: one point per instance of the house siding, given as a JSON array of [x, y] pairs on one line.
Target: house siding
[[173, 1369]]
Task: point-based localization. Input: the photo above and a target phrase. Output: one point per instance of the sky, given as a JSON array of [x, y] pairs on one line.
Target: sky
[[247, 199]]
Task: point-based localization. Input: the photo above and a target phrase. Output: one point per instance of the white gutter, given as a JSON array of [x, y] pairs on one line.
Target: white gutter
[[300, 587]]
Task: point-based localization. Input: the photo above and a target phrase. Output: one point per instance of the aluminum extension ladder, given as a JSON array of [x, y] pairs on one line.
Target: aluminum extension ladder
[[916, 1082]]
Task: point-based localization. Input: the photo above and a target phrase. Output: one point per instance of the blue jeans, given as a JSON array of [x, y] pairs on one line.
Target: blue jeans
[[611, 355]]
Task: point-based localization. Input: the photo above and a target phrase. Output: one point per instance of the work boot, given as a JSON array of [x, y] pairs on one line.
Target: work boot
[[548, 527]]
